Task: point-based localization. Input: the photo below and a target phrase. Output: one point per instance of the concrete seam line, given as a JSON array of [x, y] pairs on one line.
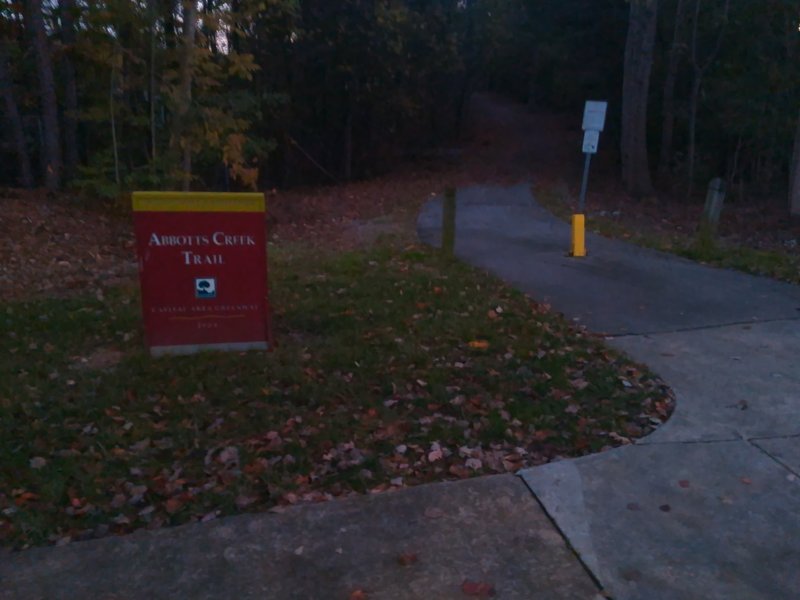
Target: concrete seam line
[[758, 438], [644, 442], [601, 590], [616, 336], [774, 458]]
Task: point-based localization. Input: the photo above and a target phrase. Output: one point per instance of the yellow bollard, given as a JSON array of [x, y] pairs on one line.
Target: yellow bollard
[[578, 236]]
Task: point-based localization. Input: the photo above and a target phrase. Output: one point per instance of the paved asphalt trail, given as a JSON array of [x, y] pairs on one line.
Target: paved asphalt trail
[[708, 506]]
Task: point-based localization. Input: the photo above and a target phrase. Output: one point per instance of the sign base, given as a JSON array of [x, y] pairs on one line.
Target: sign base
[[182, 350]]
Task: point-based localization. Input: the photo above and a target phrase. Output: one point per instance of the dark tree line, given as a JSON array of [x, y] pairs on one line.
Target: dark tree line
[[698, 88], [114, 94]]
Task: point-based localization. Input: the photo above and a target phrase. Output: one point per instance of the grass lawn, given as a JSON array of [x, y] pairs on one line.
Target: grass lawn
[[700, 247], [394, 367]]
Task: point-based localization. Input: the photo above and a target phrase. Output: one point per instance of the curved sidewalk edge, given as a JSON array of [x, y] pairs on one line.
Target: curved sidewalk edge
[[706, 507]]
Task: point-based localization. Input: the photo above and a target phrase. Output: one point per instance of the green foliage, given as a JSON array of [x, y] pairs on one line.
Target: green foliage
[[285, 92], [282, 91]]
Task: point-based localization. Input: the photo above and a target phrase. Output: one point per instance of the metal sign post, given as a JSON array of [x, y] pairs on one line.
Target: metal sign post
[[594, 119]]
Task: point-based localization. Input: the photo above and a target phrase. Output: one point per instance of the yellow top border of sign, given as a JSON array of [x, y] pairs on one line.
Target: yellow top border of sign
[[198, 202]]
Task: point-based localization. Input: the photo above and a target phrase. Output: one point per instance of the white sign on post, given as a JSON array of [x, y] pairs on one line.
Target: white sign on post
[[594, 119], [594, 115], [591, 138]]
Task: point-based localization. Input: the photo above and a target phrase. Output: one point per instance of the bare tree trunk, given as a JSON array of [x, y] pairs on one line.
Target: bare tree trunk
[[694, 100], [180, 142], [734, 165], [233, 37], [152, 10], [47, 86], [14, 120], [112, 115], [348, 144], [168, 9], [668, 116], [699, 68], [636, 82], [68, 36], [794, 183]]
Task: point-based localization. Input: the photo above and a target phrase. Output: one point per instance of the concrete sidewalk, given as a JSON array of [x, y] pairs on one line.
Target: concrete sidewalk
[[707, 507], [487, 530]]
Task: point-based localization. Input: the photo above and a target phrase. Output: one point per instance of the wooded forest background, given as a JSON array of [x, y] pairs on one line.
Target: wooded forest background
[[108, 96]]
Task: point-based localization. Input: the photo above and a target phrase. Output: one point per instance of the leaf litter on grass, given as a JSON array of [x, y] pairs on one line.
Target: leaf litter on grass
[[374, 386]]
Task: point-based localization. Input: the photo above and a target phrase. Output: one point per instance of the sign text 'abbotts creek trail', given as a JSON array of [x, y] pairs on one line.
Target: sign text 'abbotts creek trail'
[[203, 270]]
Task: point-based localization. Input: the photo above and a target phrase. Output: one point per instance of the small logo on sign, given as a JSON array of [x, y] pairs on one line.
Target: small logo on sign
[[205, 287]]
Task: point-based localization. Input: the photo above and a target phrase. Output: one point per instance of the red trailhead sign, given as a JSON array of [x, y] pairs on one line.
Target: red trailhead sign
[[203, 271]]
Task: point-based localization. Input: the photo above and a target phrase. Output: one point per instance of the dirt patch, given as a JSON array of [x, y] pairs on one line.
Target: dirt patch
[[55, 248], [99, 360]]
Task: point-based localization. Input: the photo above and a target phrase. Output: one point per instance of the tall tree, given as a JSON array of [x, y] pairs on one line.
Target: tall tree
[[181, 140], [699, 68], [47, 90], [14, 119], [676, 50], [66, 10], [152, 17], [639, 48], [794, 175]]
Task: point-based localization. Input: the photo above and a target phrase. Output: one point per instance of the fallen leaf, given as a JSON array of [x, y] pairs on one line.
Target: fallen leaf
[[458, 471], [229, 456], [619, 438], [480, 589], [37, 462], [173, 505], [25, 497], [243, 501], [435, 455], [683, 483], [140, 446], [746, 481], [407, 558], [631, 574], [358, 594], [479, 344], [474, 464], [434, 513], [579, 384]]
